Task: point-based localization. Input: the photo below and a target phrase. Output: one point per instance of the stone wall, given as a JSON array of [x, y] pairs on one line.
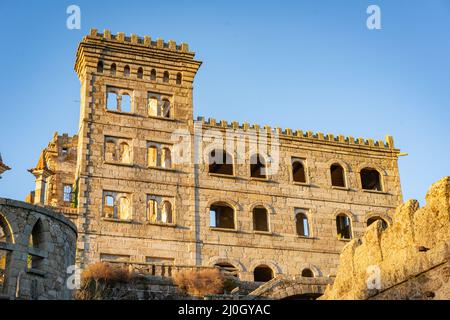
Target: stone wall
[[408, 260], [36, 247]]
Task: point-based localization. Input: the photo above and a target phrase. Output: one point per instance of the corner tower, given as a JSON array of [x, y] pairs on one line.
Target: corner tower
[[134, 93]]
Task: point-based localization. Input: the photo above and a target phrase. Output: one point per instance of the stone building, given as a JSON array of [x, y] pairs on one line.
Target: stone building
[[147, 185]]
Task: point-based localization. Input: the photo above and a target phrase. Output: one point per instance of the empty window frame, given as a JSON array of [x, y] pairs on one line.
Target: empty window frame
[[118, 150], [260, 219], [258, 166], [179, 78], [302, 223], [159, 105], [160, 209], [117, 205], [222, 216], [126, 71], [67, 193], [159, 155], [119, 99], [370, 179], [153, 75], [262, 273], [166, 77], [100, 67], [298, 170], [220, 162], [113, 69], [307, 273], [36, 241], [343, 226], [337, 175], [140, 73]]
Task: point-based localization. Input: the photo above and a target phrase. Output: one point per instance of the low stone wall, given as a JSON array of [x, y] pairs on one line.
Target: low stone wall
[[37, 246], [408, 260]]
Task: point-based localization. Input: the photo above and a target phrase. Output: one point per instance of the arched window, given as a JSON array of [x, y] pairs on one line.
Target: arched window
[[179, 78], [262, 273], [100, 67], [307, 273], [166, 159], [221, 216], [126, 71], [227, 269], [298, 171], [125, 105], [125, 153], [343, 225], [36, 242], [260, 219], [124, 209], [370, 179], [337, 175], [371, 220], [220, 162], [153, 75], [153, 107], [165, 108], [302, 223], [152, 210], [152, 156], [140, 73], [108, 207], [166, 77], [112, 70], [166, 214], [258, 166]]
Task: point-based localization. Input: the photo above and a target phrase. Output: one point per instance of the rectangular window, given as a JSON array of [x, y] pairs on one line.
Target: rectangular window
[[67, 193]]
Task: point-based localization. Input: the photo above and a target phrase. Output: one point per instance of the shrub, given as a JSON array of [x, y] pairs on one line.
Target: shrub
[[99, 281], [200, 282]]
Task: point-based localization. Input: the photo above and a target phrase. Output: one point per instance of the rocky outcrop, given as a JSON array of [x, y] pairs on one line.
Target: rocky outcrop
[[408, 260]]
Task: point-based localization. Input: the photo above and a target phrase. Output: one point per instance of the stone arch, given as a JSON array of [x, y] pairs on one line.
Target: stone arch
[[343, 164], [218, 260], [316, 271], [270, 263], [365, 165], [268, 207], [235, 205], [38, 224], [7, 228], [346, 212]]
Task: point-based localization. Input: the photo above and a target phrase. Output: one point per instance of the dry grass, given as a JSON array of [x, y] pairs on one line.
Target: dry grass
[[99, 280], [200, 282]]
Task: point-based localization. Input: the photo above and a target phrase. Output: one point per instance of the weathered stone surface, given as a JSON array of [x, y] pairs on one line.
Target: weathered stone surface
[[38, 246], [412, 254]]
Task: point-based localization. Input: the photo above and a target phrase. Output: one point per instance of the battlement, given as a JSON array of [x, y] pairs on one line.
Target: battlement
[[145, 41], [288, 133]]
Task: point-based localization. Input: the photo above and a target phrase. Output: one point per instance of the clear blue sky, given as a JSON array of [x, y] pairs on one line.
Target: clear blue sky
[[311, 65]]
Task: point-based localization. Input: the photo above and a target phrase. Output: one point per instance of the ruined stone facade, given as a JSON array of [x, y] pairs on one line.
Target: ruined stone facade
[[37, 246], [133, 203], [409, 260]]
